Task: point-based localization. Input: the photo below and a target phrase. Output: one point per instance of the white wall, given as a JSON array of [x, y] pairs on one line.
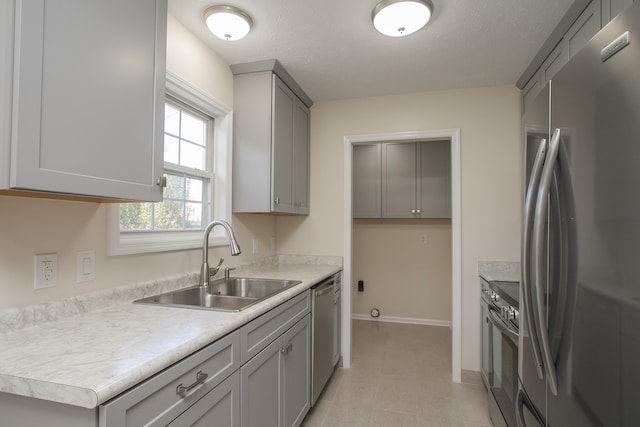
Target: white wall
[[32, 226], [491, 165]]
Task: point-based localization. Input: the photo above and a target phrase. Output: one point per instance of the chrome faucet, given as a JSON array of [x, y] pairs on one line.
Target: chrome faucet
[[233, 243]]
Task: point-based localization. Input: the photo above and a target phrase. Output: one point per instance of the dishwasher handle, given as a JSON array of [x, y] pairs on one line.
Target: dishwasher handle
[[324, 289]]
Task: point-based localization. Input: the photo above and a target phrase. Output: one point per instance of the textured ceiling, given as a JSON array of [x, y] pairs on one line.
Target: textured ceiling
[[332, 50]]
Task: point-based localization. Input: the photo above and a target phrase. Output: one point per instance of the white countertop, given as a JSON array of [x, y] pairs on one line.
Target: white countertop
[[87, 359], [501, 271]]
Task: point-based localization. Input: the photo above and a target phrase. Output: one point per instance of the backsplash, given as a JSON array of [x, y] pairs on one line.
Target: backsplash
[[14, 318]]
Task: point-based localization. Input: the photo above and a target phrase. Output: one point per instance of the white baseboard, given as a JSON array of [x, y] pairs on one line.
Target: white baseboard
[[397, 319]]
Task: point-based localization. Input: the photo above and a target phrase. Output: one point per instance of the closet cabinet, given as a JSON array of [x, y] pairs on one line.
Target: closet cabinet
[[271, 141], [85, 97], [367, 181], [413, 178]]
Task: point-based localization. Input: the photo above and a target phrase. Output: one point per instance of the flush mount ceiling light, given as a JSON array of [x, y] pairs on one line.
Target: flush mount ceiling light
[[227, 22], [396, 18]]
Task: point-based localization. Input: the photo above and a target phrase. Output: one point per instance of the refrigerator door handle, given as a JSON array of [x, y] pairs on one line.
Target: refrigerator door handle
[[523, 401], [538, 264], [530, 324]]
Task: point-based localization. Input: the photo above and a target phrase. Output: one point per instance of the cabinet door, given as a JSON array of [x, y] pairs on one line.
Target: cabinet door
[[296, 361], [398, 180], [531, 90], [585, 27], [284, 115], [301, 153], [220, 407], [434, 179], [260, 385], [556, 60], [612, 8], [367, 181], [89, 97]]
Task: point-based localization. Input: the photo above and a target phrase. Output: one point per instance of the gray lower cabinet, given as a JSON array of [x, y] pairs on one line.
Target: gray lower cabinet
[[258, 375], [199, 386], [219, 407], [84, 102], [275, 383]]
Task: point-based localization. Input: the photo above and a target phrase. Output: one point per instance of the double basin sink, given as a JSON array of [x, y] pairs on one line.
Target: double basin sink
[[233, 294]]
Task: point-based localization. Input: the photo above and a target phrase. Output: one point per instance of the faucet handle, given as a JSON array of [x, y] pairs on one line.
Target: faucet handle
[[214, 270]]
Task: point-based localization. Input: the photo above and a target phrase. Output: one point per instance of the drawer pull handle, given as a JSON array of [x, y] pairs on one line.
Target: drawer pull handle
[[287, 349], [200, 378]]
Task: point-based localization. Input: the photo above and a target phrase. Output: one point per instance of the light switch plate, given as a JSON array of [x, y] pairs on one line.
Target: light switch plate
[[85, 266]]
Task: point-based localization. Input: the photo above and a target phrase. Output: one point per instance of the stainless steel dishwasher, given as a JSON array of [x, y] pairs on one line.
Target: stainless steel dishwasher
[[325, 338]]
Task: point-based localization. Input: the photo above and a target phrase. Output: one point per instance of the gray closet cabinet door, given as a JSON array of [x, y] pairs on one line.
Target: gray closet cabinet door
[[296, 396], [434, 179], [367, 181], [89, 97], [399, 180]]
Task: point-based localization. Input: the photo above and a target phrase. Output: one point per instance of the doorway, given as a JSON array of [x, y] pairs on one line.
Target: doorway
[[452, 135]]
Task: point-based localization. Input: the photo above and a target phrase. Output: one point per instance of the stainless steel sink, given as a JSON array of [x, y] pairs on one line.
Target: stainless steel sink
[[233, 294]]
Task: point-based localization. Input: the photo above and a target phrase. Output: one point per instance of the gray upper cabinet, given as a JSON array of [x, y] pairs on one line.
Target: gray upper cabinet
[[367, 180], [612, 8], [581, 22], [399, 180], [402, 180], [416, 180], [87, 85], [271, 141]]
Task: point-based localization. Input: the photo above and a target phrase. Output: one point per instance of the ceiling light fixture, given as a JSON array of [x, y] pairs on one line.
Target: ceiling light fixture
[[396, 18], [227, 22]]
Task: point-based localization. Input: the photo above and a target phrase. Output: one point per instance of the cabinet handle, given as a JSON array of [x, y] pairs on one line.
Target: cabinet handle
[[418, 211], [162, 181], [413, 211], [276, 200], [200, 378], [287, 349]]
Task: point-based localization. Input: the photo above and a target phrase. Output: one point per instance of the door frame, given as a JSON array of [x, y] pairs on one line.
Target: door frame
[[453, 135]]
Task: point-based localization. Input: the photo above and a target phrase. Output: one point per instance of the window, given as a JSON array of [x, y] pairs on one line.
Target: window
[[187, 134], [197, 157]]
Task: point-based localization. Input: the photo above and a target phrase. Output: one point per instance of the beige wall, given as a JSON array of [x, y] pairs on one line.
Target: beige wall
[[491, 168], [33, 226], [406, 268]]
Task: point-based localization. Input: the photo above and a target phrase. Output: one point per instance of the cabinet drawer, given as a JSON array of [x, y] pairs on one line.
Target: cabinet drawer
[[157, 401], [259, 333]]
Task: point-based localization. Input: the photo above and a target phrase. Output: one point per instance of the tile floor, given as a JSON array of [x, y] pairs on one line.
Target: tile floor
[[400, 376]]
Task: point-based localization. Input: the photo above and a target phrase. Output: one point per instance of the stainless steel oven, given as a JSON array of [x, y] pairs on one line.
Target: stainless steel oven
[[500, 349]]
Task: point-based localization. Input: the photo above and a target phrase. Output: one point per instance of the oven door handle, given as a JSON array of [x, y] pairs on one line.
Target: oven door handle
[[503, 327]]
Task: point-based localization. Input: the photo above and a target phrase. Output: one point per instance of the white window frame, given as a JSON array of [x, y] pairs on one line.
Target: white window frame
[[161, 241]]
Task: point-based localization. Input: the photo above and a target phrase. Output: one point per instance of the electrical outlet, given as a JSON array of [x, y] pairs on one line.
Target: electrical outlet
[[45, 271]]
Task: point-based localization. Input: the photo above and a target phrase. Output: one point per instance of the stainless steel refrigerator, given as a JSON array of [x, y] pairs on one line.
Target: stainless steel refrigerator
[[579, 354]]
